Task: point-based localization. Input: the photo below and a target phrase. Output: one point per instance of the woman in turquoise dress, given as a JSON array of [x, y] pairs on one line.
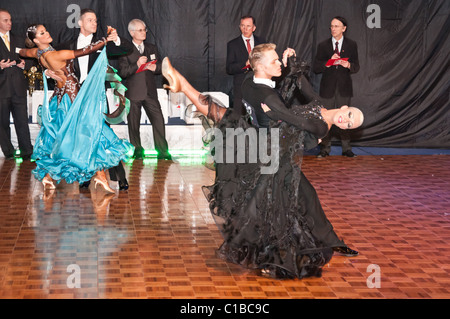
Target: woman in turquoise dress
[[74, 143]]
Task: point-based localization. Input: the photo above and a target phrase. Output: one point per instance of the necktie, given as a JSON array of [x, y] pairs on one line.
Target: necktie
[[5, 38], [336, 50], [141, 49], [249, 47]]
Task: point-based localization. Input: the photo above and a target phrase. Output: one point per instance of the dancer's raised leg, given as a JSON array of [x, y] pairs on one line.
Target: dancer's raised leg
[[178, 83]]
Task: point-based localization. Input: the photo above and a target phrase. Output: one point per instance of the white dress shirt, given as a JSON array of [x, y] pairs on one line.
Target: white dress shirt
[[339, 45], [267, 82], [138, 47], [83, 41], [252, 41]]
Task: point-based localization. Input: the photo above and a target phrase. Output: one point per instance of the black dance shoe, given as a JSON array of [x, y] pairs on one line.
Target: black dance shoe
[[85, 185], [138, 155], [166, 157], [345, 251], [349, 154], [123, 185], [26, 157], [322, 154]]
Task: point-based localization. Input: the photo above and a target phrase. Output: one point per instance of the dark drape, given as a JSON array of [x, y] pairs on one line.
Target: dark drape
[[403, 84]]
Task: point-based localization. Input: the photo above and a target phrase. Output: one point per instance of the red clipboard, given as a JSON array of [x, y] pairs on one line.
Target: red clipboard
[[332, 62], [143, 66]]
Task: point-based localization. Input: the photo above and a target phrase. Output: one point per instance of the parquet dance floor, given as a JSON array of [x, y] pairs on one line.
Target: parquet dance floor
[[158, 239]]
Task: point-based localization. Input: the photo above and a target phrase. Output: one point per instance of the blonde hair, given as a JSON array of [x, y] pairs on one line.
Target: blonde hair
[[258, 52]]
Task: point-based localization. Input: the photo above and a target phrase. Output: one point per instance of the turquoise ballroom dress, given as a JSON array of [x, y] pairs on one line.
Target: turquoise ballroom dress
[[74, 141]]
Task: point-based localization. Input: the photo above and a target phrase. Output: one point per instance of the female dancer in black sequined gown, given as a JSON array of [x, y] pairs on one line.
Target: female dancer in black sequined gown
[[264, 217]]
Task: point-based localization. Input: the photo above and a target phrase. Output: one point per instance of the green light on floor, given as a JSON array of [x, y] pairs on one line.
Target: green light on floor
[[154, 153], [150, 161], [189, 152], [150, 153]]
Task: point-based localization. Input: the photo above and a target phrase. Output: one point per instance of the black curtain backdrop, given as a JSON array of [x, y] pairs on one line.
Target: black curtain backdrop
[[403, 84]]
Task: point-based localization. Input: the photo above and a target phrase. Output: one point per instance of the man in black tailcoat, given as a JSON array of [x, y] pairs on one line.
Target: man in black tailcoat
[[82, 66]]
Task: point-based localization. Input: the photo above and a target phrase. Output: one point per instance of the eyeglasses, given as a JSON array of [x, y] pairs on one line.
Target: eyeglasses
[[142, 30]]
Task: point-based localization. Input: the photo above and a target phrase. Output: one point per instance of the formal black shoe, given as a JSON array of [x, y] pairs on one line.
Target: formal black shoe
[[323, 154], [85, 185], [139, 154], [166, 157], [345, 251], [349, 154], [123, 186], [26, 157]]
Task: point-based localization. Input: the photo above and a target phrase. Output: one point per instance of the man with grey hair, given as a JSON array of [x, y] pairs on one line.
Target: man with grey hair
[[138, 70]]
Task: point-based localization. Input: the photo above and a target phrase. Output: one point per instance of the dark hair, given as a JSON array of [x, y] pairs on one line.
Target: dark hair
[[249, 17], [343, 20], [84, 11], [31, 34], [4, 10]]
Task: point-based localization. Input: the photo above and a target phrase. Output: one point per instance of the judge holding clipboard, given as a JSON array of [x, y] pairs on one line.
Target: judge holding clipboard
[[336, 59], [138, 70]]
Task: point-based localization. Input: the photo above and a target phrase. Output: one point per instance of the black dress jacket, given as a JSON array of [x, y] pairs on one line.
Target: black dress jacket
[[237, 57], [336, 76], [12, 80], [112, 50], [142, 84]]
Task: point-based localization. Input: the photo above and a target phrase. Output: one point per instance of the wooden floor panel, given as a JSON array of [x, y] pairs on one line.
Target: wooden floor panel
[[158, 240]]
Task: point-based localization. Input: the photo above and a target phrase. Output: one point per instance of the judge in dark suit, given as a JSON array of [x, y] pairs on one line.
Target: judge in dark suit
[[142, 91], [336, 87], [82, 66], [237, 56], [13, 91]]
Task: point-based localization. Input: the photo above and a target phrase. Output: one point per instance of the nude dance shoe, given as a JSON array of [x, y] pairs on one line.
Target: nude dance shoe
[[171, 75], [100, 178], [47, 181]]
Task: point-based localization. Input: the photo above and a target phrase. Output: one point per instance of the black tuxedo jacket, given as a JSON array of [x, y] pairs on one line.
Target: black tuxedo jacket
[[12, 80], [339, 76], [143, 84], [237, 56], [112, 50], [256, 94]]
